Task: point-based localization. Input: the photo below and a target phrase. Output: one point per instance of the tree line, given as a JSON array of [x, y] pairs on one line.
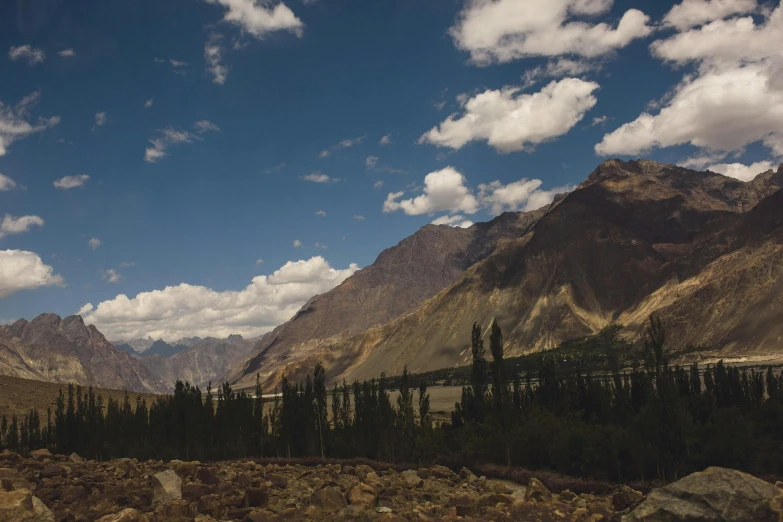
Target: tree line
[[655, 421]]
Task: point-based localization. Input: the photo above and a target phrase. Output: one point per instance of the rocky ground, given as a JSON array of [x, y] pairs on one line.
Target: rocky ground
[[43, 487]]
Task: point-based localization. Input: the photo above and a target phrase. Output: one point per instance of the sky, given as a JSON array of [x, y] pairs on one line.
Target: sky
[[204, 167]]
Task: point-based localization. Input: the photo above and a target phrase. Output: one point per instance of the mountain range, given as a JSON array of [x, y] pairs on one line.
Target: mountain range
[[702, 250]]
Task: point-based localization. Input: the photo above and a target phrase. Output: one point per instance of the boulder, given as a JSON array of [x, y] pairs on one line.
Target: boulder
[[184, 468], [712, 495], [625, 497], [205, 476], [329, 498], [362, 495], [412, 478], [195, 490], [537, 491], [167, 487], [21, 506], [76, 459], [362, 470], [53, 471], [70, 494], [255, 497], [41, 454], [126, 515], [277, 480]]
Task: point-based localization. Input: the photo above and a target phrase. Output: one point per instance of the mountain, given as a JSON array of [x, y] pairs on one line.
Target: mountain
[[701, 249], [137, 345], [65, 350], [164, 349], [208, 360]]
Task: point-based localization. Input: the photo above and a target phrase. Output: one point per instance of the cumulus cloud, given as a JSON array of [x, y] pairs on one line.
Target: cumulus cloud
[[100, 120], [85, 309], [187, 310], [510, 121], [453, 221], [319, 177], [385, 140], [171, 136], [15, 121], [378, 184], [734, 98], [505, 30], [297, 243], [6, 183], [370, 162], [67, 53], [258, 17], [719, 110], [321, 213], [446, 190], [213, 56], [26, 52], [691, 13], [148, 103], [18, 225], [23, 270], [94, 243], [557, 69], [111, 275], [740, 171], [69, 182]]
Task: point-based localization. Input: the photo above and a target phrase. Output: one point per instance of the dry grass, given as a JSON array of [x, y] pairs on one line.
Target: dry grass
[[18, 396]]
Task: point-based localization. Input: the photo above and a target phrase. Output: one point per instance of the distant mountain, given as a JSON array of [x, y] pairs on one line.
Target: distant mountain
[[53, 349], [703, 250], [164, 349], [137, 345]]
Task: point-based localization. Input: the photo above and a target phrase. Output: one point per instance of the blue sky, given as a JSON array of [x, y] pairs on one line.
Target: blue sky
[[202, 127]]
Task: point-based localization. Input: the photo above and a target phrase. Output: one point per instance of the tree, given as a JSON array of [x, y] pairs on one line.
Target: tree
[[501, 393]]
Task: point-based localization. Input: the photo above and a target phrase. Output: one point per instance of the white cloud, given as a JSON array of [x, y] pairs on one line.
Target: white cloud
[[378, 184], [319, 177], [344, 144], [126, 264], [324, 154], [740, 171], [26, 52], [6, 183], [15, 124], [259, 261], [173, 136], [719, 110], [385, 140], [297, 243], [319, 245], [18, 225], [67, 53], [23, 270], [213, 55], [84, 310], [444, 191], [357, 217], [321, 213], [187, 310], [511, 121], [691, 13], [148, 103], [94, 243], [177, 63], [100, 119], [599, 120], [69, 182], [505, 30], [370, 162], [111, 275], [205, 125], [700, 161], [557, 69], [453, 221], [254, 17]]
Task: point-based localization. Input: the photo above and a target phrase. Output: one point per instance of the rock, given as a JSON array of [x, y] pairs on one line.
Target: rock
[[712, 495], [626, 497], [126, 515], [195, 490], [184, 469], [440, 472], [205, 476], [362, 495], [383, 509], [70, 494], [76, 458], [329, 498], [21, 506], [537, 491], [464, 502], [255, 497], [167, 487], [277, 480], [41, 454], [362, 470], [262, 516], [53, 471], [212, 505], [412, 478]]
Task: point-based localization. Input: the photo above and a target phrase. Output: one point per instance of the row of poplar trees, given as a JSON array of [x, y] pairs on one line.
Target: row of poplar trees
[[652, 421]]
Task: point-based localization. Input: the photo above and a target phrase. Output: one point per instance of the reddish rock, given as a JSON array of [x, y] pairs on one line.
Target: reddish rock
[[256, 497]]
